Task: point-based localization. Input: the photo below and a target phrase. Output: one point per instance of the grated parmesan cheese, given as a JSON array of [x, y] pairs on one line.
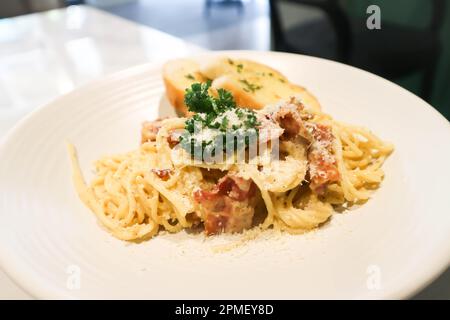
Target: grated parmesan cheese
[[206, 134], [231, 116]]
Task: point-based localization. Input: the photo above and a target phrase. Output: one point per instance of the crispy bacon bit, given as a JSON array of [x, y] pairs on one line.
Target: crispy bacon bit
[[214, 224], [322, 163], [321, 132], [290, 118], [150, 130], [236, 188], [173, 139], [212, 174], [268, 128], [163, 174], [227, 206], [289, 121], [193, 218]]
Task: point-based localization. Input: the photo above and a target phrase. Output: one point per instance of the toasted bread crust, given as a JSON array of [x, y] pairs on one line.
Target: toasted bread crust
[[178, 75], [175, 95], [252, 84]]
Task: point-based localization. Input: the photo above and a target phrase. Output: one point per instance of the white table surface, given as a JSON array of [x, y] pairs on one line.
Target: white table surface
[[47, 54], [44, 55]]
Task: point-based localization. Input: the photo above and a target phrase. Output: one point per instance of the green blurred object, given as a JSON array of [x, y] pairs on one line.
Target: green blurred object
[[414, 13]]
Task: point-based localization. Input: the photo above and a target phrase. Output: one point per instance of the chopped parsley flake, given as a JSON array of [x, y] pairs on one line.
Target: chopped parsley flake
[[217, 122], [249, 87], [189, 76], [239, 67]]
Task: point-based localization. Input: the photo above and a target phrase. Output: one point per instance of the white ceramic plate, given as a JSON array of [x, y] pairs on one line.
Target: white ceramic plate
[[51, 245]]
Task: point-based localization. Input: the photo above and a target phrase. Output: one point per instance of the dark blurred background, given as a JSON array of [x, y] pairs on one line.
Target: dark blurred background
[[412, 48]]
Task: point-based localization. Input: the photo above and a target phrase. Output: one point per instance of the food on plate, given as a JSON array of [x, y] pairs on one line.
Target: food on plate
[[253, 85], [178, 75], [226, 169]]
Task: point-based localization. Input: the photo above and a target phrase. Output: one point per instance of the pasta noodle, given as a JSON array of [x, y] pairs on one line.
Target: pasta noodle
[[136, 194]]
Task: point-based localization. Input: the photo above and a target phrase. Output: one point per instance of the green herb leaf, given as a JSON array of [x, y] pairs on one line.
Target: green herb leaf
[[198, 99], [210, 114], [249, 87], [225, 99]]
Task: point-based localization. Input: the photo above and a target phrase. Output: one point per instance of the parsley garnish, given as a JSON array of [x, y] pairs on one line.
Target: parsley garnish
[[198, 100], [212, 114], [189, 76], [239, 67]]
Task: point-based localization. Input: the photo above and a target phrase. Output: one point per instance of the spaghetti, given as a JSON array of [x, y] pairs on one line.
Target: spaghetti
[[323, 163]]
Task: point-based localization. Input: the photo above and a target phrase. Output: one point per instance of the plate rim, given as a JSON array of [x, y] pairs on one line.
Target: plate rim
[[16, 269]]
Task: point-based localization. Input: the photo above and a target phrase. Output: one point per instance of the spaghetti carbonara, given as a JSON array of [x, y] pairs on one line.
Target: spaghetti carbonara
[[303, 164]]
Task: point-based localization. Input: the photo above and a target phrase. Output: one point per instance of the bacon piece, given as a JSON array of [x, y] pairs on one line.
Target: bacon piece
[[290, 119], [268, 128], [322, 163], [194, 219], [163, 174], [289, 122], [150, 130], [228, 206], [214, 224], [173, 139]]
